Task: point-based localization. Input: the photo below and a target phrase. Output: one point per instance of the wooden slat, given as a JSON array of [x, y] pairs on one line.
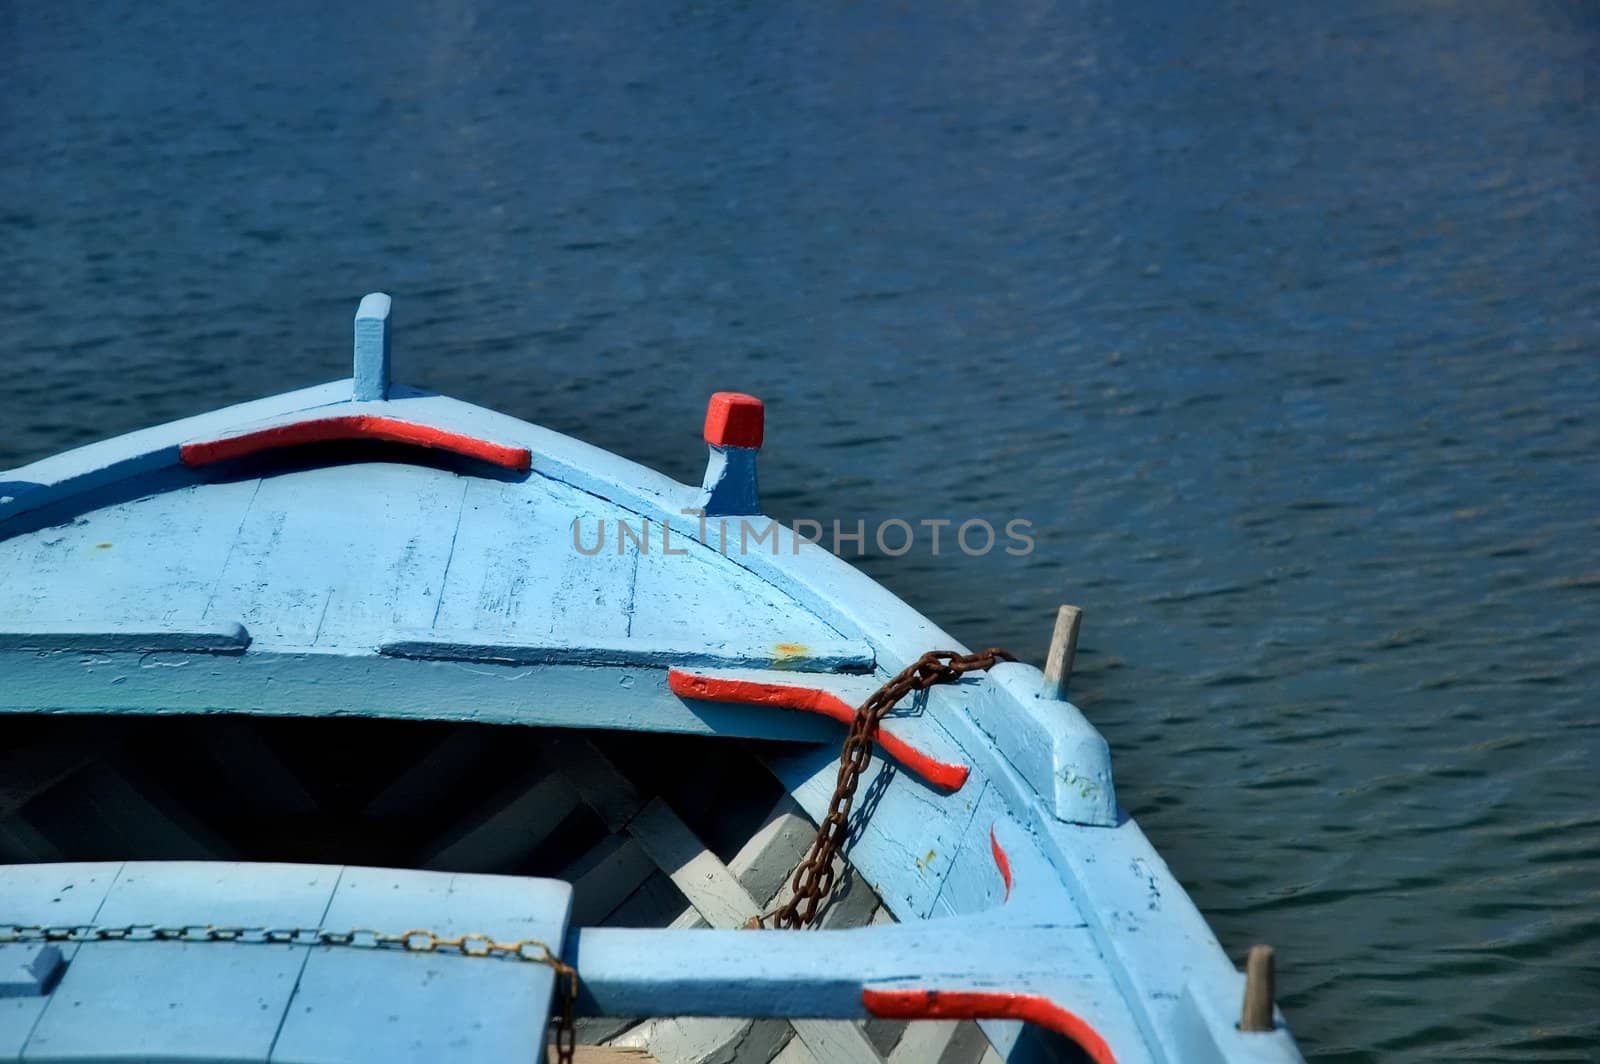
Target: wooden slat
[[708, 884], [506, 829], [702, 599], [437, 772], [608, 1055], [691, 1041], [713, 890], [28, 771], [309, 568], [521, 578], [605, 877], [152, 559], [598, 782], [766, 862], [940, 1042], [719, 897], [261, 779], [106, 810]]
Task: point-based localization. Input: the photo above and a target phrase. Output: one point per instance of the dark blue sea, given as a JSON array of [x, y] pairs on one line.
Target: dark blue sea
[[1279, 321]]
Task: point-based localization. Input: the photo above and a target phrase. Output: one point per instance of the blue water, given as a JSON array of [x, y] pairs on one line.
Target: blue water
[[1280, 322]]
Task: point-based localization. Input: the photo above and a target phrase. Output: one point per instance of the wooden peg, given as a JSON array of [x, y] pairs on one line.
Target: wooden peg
[[1258, 990], [372, 348], [1063, 648]]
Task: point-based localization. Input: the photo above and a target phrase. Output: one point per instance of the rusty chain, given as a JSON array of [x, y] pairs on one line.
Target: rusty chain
[[531, 950], [813, 877]]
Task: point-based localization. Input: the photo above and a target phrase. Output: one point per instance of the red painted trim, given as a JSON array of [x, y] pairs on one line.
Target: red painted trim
[[812, 700], [1001, 861], [734, 419], [987, 1005], [355, 427]]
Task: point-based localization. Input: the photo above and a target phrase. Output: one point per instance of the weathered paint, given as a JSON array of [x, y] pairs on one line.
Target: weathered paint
[[326, 565], [730, 487], [29, 969], [642, 653], [813, 700], [1059, 753], [988, 1005], [371, 376], [835, 974], [222, 637], [354, 427], [293, 1004], [734, 419]]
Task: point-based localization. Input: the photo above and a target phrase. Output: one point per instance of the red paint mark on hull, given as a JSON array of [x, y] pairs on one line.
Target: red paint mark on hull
[[811, 700], [985, 1005], [355, 427], [1001, 861]]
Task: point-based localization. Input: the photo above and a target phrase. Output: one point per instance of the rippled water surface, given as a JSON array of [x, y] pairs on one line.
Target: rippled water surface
[[1280, 322]]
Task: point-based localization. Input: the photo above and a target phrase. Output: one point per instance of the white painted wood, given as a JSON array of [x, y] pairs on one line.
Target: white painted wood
[[445, 765], [795, 1052], [22, 843], [766, 862], [605, 877], [593, 1030], [115, 810], [598, 782], [708, 1041], [608, 1055], [704, 880], [941, 1042], [506, 828], [722, 901], [924, 1042]]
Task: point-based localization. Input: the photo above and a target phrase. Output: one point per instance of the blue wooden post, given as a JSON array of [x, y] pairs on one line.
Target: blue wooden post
[[372, 348], [735, 424]]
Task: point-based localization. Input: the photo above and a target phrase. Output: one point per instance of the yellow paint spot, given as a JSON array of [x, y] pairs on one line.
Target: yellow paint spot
[[102, 546], [926, 860], [785, 653]]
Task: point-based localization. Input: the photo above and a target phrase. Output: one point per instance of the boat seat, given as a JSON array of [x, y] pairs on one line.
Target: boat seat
[[203, 1001]]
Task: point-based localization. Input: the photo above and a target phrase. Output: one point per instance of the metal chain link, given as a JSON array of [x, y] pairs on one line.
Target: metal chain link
[[813, 877], [416, 940]]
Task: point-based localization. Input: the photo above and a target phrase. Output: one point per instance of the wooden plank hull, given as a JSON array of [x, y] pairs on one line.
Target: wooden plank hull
[[365, 625]]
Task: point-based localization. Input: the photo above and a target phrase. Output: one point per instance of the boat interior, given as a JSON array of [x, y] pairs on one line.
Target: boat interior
[[463, 797]]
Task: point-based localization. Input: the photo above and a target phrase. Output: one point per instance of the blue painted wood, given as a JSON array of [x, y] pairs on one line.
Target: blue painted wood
[[730, 487], [641, 653], [1061, 756], [973, 882], [210, 1000], [821, 974], [100, 466], [216, 638], [298, 1004], [299, 684], [355, 1006], [372, 348], [45, 894], [905, 832], [29, 971], [341, 572]]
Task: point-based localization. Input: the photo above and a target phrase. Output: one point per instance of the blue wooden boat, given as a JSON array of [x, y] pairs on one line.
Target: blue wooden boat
[[329, 736]]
